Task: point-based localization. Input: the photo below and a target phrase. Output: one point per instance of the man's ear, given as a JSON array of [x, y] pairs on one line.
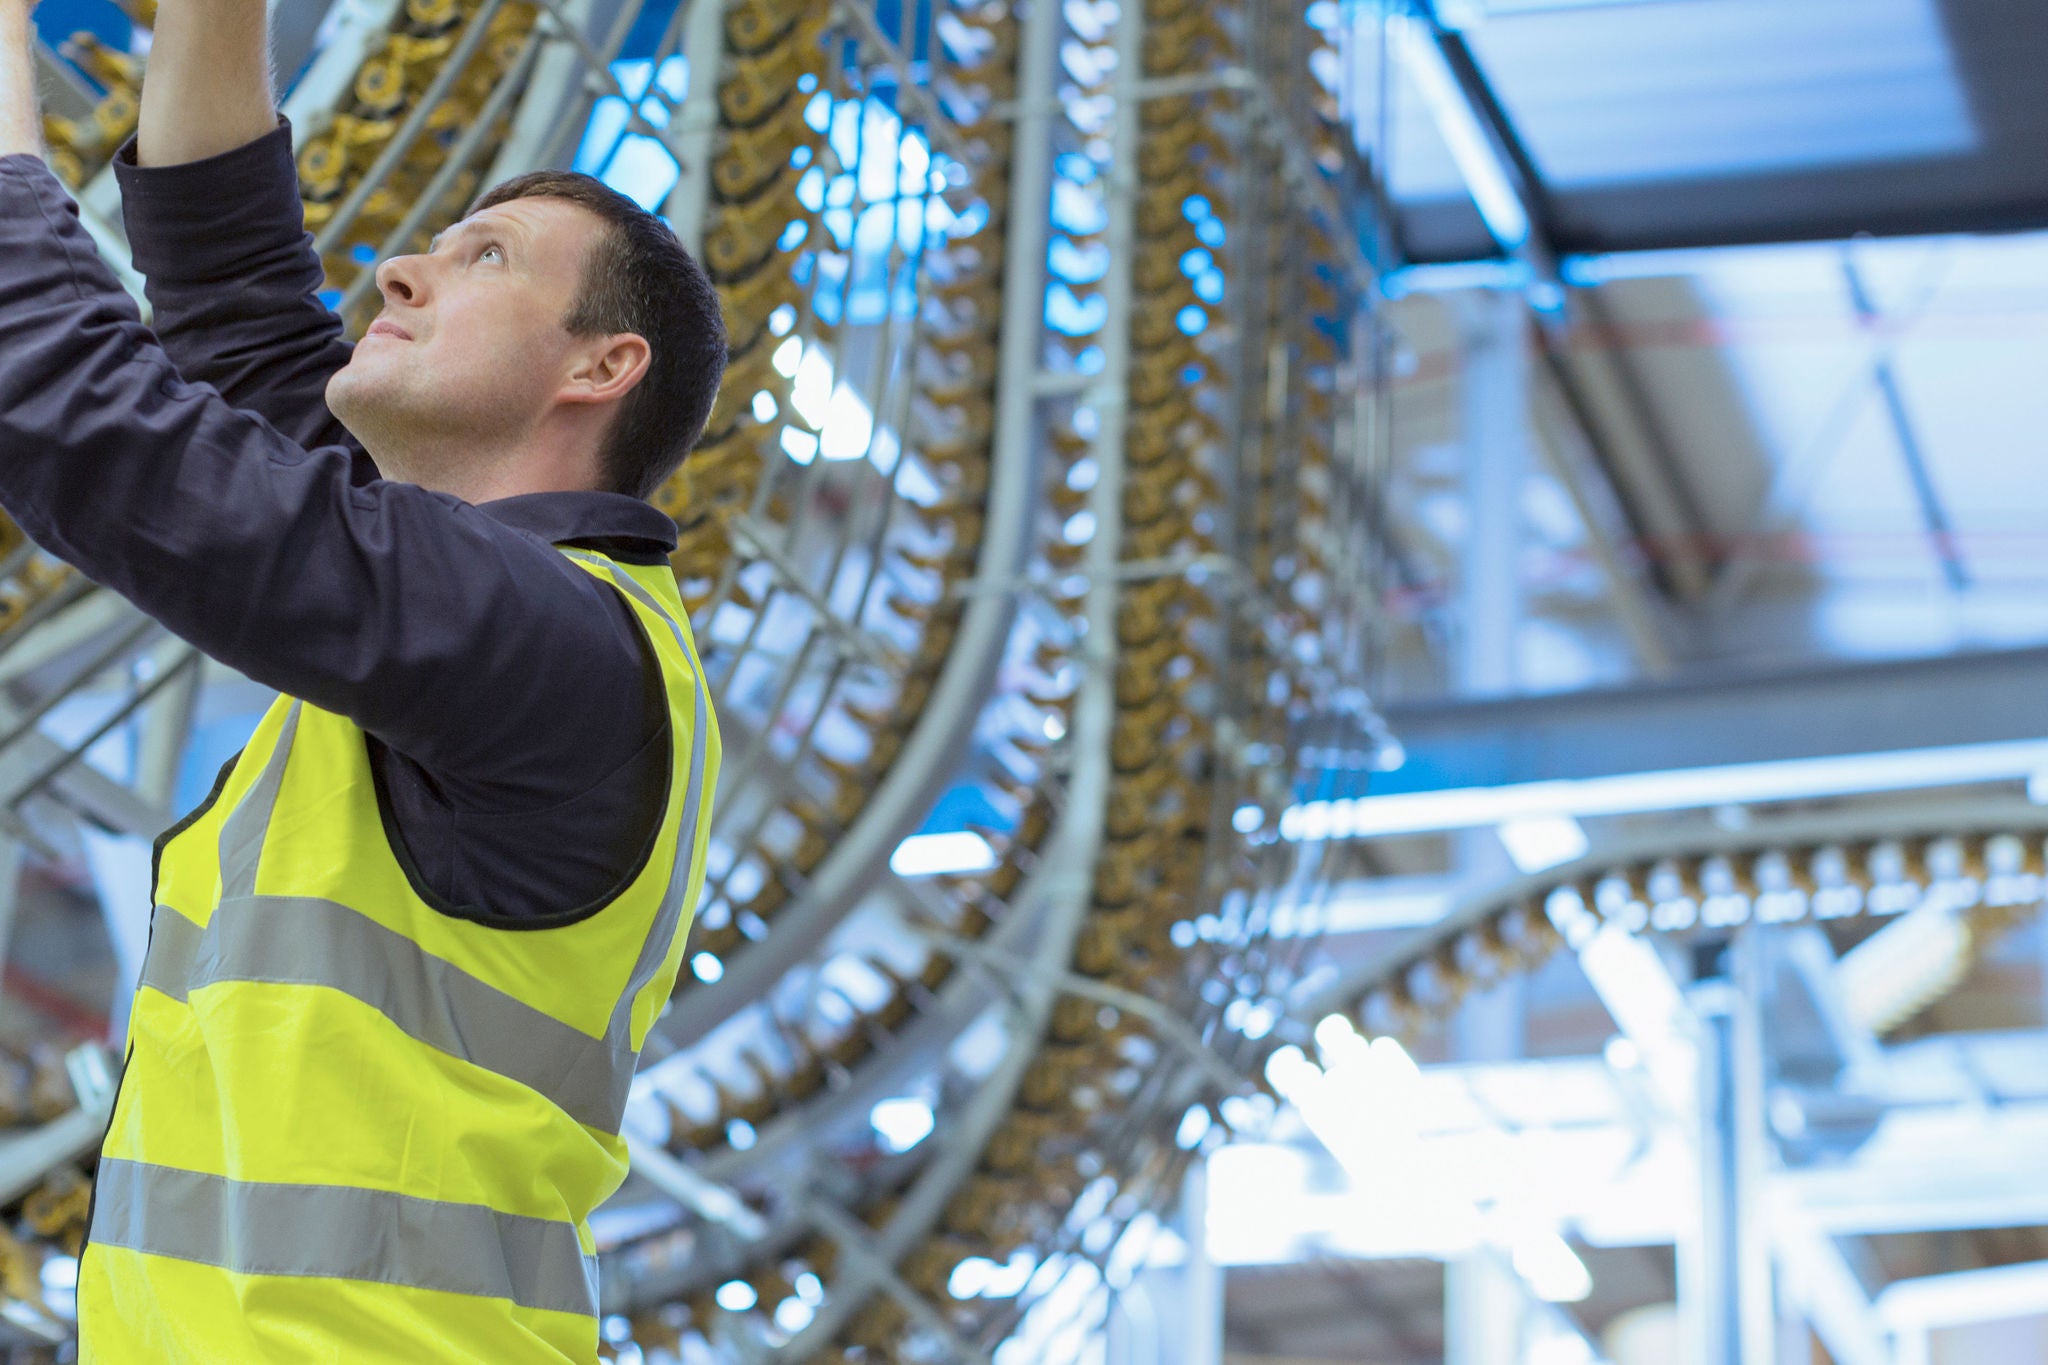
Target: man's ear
[[608, 370]]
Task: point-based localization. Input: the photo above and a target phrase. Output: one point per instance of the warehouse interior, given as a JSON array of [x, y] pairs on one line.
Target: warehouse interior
[[1379, 667]]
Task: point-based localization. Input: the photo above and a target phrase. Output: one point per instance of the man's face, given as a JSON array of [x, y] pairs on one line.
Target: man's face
[[469, 351]]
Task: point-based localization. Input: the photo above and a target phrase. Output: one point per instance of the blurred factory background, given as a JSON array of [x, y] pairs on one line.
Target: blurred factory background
[[1382, 667]]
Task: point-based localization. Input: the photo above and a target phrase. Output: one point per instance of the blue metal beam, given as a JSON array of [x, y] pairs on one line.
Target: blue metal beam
[[1959, 699]]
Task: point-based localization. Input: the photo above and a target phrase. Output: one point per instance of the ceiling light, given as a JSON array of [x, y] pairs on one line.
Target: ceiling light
[[931, 855], [1538, 843]]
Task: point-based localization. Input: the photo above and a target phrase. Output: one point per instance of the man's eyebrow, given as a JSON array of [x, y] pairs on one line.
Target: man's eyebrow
[[434, 242], [468, 225]]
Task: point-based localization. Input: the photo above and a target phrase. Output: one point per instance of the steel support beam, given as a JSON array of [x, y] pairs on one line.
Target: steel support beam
[[1575, 461], [1725, 1296], [1494, 402], [695, 136], [1966, 1296], [681, 1182], [74, 617], [26, 1157], [1483, 1310], [1494, 412], [1605, 397], [1202, 1278], [1748, 1230], [10, 889], [1819, 1283], [1858, 709], [80, 786], [1941, 535], [166, 730], [1609, 404], [1950, 1167]]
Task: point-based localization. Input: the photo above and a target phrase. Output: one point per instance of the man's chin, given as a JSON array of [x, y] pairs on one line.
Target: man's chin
[[361, 381], [353, 399]]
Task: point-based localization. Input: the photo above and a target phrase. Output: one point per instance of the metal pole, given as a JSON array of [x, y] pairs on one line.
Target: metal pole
[[695, 136], [10, 889], [1725, 1275], [1494, 406], [1941, 533], [1483, 1309], [119, 648], [1707, 1260], [177, 672], [558, 98], [1756, 1291], [401, 142], [165, 732], [1494, 410], [1203, 1301]]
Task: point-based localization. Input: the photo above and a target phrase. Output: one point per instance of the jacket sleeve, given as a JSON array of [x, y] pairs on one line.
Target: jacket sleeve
[[467, 645], [233, 281]]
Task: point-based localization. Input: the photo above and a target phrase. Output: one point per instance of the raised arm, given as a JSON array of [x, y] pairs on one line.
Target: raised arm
[[207, 90], [401, 608], [210, 194]]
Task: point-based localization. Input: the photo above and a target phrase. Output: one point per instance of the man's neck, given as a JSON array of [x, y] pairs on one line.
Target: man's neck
[[488, 478]]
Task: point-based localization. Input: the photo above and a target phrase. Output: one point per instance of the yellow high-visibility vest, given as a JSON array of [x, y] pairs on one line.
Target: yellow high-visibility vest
[[354, 1129]]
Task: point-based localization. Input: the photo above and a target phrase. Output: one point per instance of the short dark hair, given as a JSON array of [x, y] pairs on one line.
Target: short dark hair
[[638, 278]]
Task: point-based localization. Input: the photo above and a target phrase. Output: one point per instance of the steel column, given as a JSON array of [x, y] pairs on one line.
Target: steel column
[[1494, 406], [1201, 1332], [10, 889], [694, 139], [1483, 1309], [1729, 1309]]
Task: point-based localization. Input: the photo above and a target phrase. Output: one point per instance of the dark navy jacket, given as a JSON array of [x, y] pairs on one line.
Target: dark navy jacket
[[513, 710]]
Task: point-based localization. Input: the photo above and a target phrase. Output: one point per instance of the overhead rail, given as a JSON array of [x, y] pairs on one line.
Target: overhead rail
[[1977, 870]]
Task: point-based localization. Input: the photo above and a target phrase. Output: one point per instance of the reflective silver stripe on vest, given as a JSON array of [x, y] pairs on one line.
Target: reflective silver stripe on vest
[[242, 833], [672, 907], [300, 940], [345, 1233]]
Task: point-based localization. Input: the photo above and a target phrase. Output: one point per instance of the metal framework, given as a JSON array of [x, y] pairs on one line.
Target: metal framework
[[987, 504]]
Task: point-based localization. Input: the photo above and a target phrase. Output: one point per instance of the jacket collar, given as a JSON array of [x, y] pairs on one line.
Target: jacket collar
[[610, 523]]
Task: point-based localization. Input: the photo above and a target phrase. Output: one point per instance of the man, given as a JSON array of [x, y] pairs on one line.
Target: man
[[403, 957]]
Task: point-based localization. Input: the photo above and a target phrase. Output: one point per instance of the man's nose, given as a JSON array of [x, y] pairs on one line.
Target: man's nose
[[401, 280]]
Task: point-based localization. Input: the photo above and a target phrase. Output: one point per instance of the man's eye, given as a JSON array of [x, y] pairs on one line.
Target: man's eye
[[492, 249]]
